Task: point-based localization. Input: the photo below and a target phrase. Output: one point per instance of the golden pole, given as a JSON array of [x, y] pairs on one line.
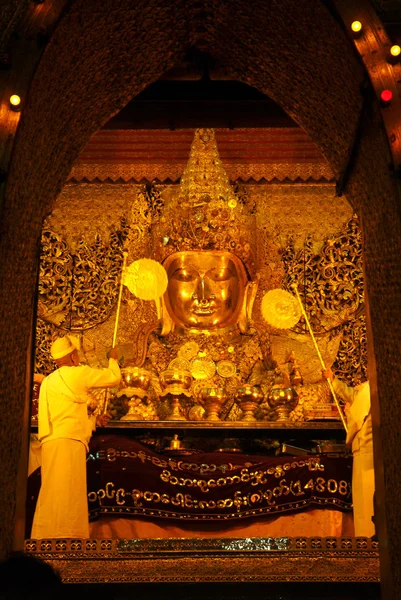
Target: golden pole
[[120, 294], [294, 287]]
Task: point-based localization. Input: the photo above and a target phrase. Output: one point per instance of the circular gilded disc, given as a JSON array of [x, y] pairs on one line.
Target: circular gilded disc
[[202, 368], [188, 350], [180, 363], [226, 368], [280, 309]]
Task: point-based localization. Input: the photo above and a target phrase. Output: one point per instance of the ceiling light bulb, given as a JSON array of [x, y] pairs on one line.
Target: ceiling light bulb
[[356, 26], [15, 100]]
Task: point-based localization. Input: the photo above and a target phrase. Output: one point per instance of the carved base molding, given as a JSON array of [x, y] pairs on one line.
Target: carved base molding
[[211, 560]]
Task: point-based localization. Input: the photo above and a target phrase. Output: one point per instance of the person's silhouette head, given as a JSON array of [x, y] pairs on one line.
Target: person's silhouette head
[[23, 576]]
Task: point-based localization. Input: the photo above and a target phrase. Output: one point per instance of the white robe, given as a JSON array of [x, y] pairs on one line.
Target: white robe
[[64, 431], [360, 439]]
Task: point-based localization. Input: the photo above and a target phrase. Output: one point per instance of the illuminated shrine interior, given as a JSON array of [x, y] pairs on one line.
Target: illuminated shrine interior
[[216, 388], [200, 201]]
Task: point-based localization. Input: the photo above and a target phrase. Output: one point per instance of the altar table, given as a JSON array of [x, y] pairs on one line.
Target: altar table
[[134, 492]]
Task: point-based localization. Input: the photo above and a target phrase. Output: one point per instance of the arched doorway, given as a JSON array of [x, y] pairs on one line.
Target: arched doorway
[[99, 58]]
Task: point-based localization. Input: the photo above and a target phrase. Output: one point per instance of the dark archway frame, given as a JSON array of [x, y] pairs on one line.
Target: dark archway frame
[[103, 54]]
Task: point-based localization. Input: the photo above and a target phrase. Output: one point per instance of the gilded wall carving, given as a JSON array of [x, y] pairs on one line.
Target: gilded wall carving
[[78, 286]]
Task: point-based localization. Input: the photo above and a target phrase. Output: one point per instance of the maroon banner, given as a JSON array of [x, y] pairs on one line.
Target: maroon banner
[[127, 478]]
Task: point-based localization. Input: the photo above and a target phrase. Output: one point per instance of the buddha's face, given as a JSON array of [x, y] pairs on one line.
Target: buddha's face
[[205, 289]]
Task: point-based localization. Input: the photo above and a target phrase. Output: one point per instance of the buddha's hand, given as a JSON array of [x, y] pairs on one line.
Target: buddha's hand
[[327, 374], [102, 420]]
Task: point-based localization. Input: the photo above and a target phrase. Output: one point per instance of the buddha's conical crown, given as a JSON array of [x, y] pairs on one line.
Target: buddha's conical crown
[[206, 214]]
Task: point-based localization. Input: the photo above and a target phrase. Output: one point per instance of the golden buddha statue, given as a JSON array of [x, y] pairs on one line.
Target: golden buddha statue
[[204, 237], [206, 338]]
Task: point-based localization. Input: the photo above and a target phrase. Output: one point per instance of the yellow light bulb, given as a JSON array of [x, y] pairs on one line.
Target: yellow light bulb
[[395, 50], [15, 100], [356, 26]]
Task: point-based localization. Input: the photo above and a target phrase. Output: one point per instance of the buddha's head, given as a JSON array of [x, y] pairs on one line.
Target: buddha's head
[[207, 290], [204, 235]]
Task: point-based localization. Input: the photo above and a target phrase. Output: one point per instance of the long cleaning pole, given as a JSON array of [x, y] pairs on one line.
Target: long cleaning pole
[[120, 295], [305, 316]]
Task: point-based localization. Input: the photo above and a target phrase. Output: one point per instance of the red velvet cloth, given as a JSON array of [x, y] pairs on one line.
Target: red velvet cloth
[[125, 477]]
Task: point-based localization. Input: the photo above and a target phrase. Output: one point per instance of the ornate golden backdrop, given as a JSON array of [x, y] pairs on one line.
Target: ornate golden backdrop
[[318, 247]]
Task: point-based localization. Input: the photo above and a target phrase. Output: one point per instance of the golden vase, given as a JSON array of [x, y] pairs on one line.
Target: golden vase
[[283, 401], [249, 398], [134, 385], [214, 399], [176, 384]]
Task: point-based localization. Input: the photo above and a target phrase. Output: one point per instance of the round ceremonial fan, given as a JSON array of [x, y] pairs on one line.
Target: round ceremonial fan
[[146, 279], [280, 309]]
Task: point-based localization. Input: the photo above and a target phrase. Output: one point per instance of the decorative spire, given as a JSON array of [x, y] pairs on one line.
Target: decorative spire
[[204, 179]]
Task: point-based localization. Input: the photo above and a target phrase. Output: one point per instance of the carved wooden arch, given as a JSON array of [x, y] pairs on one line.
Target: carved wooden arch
[[99, 57]]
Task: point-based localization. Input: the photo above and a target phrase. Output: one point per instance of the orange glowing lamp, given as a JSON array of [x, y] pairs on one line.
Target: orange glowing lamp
[[356, 26], [15, 102]]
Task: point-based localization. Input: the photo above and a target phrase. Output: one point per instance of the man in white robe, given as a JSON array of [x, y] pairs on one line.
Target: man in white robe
[[360, 440], [64, 430]]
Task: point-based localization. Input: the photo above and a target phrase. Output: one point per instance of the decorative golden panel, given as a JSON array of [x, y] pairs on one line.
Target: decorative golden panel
[[165, 173], [91, 211], [78, 286], [331, 283], [258, 154], [299, 211], [211, 560]]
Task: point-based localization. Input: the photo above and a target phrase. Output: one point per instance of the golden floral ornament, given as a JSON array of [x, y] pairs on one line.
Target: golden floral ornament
[[188, 350], [180, 363], [280, 309], [226, 368], [146, 279], [202, 368], [196, 413]]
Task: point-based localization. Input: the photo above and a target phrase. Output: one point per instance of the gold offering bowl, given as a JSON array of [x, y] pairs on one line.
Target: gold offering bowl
[[176, 383], [135, 377], [249, 398], [134, 384], [283, 401], [214, 399]]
